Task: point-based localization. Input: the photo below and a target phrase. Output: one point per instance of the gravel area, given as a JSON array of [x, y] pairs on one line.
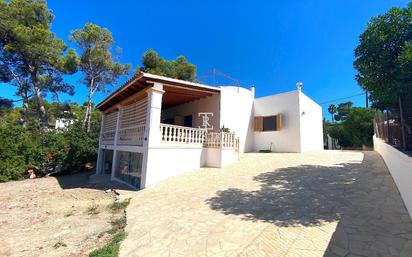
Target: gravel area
[[50, 216]]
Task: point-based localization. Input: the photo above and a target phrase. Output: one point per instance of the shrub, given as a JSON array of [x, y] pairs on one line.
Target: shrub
[[82, 147], [22, 147], [356, 130]]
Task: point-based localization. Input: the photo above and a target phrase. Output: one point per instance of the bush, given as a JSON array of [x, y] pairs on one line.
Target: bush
[[82, 147], [15, 143], [22, 147], [356, 130]]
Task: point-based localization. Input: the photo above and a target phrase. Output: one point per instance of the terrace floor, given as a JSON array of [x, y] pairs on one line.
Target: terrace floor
[[329, 203]]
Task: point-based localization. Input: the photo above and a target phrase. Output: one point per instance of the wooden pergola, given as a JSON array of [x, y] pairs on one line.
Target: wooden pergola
[[176, 91]]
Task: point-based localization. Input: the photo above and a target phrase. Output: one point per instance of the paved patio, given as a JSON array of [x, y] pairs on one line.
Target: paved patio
[[328, 203]]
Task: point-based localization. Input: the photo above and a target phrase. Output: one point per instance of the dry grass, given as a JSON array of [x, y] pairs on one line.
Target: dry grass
[[54, 217]]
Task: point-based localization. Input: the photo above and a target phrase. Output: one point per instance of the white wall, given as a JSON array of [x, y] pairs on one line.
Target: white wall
[[208, 104], [167, 161], [288, 138], [400, 167], [217, 157], [236, 113], [311, 128]]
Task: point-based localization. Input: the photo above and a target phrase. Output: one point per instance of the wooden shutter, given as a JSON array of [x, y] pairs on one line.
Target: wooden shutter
[[258, 123], [278, 122]]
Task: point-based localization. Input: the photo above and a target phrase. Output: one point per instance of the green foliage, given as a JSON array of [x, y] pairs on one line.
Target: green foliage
[[96, 62], [332, 110], [384, 57], [343, 111], [356, 130], [178, 69], [93, 210], [82, 147], [23, 147], [111, 249], [118, 206], [31, 57], [225, 129]]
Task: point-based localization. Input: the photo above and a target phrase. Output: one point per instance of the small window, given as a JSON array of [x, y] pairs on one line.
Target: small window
[[269, 123]]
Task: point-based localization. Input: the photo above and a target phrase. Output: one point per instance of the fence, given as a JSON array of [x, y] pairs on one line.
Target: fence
[[388, 128], [223, 140], [180, 134]]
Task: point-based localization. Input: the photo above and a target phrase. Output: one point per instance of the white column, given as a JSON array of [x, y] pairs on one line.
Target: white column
[[99, 150], [154, 110], [116, 136], [152, 131]]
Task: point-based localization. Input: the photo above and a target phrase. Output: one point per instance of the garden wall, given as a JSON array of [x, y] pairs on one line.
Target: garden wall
[[400, 167]]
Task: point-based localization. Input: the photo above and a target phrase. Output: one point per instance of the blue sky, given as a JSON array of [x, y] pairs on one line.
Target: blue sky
[[271, 44]]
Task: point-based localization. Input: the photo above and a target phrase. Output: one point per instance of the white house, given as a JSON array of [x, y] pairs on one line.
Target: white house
[[156, 127]]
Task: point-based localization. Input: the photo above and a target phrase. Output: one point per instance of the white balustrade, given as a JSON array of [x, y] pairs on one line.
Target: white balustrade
[[181, 135], [223, 140]]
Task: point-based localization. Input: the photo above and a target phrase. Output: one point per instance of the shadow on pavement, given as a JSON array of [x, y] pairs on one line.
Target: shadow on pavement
[[362, 197]]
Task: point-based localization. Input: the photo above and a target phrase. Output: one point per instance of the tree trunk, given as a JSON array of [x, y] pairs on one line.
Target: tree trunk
[[24, 110], [37, 91], [88, 116], [402, 124]]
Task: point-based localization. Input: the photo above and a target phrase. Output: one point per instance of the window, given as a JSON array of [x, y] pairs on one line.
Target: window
[[187, 121], [268, 123], [129, 167]]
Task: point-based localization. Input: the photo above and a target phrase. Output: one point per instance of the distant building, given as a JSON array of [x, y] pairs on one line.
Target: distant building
[[63, 123]]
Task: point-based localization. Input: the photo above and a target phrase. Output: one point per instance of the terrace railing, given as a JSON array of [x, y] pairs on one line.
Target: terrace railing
[[186, 135], [181, 135], [222, 140]]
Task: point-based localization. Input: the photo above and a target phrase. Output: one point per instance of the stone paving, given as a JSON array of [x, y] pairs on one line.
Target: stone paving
[[328, 203]]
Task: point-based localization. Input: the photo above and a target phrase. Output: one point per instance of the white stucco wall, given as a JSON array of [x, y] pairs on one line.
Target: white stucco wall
[[236, 113], [311, 128], [217, 157], [209, 104], [164, 162], [400, 167], [288, 138]]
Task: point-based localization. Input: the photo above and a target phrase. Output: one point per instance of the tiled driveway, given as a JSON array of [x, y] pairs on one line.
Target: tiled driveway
[[314, 204]]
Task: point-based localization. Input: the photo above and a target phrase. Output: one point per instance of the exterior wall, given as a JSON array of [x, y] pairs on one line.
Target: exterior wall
[[208, 104], [311, 128], [236, 113], [288, 138], [167, 161], [400, 167], [217, 157]]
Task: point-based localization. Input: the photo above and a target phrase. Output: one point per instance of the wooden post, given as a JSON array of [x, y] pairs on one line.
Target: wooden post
[[402, 124]]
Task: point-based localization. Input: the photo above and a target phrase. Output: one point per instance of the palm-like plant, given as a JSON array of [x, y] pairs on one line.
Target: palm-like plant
[[332, 110]]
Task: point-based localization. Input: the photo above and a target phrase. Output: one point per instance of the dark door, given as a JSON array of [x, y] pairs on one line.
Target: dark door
[[188, 121]]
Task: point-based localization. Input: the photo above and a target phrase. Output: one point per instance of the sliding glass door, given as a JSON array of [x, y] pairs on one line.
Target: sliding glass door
[[129, 167]]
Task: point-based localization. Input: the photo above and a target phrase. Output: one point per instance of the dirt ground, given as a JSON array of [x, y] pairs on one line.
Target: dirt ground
[[50, 216]]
